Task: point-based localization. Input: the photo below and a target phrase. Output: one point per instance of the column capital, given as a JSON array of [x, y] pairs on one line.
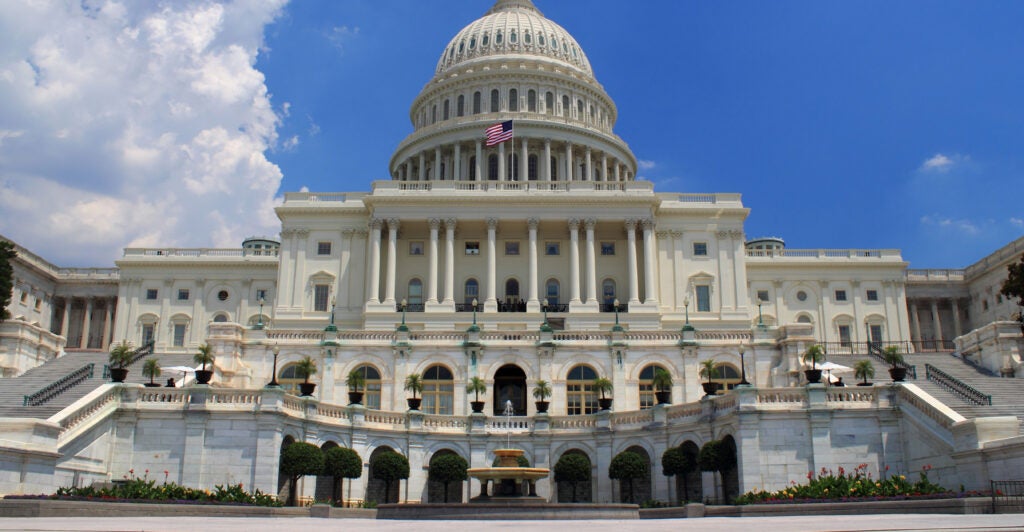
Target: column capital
[[393, 224], [348, 232], [723, 234], [574, 224], [590, 223], [492, 223], [435, 223], [374, 223], [630, 224], [647, 224], [450, 223], [532, 223]]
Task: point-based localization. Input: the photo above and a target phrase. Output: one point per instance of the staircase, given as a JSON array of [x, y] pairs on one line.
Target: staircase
[[13, 391]]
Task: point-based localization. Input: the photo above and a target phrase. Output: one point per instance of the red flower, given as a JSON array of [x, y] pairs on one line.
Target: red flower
[[810, 475], [886, 468]]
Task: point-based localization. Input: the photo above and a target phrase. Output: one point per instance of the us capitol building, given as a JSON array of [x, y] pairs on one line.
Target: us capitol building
[[524, 253]]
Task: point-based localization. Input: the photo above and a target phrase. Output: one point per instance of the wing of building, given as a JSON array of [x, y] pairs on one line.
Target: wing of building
[[525, 254]]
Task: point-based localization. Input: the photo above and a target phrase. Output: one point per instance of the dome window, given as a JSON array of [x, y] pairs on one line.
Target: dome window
[[540, 39], [472, 43], [497, 38], [460, 107], [527, 38], [447, 105], [513, 100], [531, 101], [554, 42], [476, 102], [574, 51], [565, 48], [462, 46], [486, 40], [512, 37], [495, 98]]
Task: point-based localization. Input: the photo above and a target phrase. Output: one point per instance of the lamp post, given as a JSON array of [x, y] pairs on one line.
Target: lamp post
[[334, 304], [743, 368], [259, 319], [474, 310], [544, 307], [760, 320], [405, 303], [616, 304], [686, 305], [273, 378]]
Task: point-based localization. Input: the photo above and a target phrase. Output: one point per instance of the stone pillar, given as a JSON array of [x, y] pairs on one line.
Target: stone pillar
[[423, 168], [501, 162], [588, 166], [408, 169], [574, 261], [568, 162], [389, 282], [449, 262], [917, 325], [437, 164], [87, 323], [67, 315], [479, 161], [650, 290], [547, 160], [524, 162], [604, 167], [491, 303], [105, 341], [532, 304], [457, 163], [435, 224], [590, 223], [618, 167], [957, 326], [634, 288], [375, 226], [937, 322]]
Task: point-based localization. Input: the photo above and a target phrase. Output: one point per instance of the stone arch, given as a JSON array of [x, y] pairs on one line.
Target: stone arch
[[326, 489], [641, 487], [584, 490], [730, 477], [509, 384], [593, 361], [283, 486], [375, 488], [435, 490], [221, 317], [690, 487]]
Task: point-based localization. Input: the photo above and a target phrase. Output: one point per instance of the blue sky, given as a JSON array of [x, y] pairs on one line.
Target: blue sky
[[864, 124]]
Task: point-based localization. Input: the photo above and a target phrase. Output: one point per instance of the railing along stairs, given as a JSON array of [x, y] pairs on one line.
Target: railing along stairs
[[139, 353], [875, 350], [956, 386], [59, 386]]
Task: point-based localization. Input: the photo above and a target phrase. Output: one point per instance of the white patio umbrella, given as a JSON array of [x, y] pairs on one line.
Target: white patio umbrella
[[832, 367], [185, 370]]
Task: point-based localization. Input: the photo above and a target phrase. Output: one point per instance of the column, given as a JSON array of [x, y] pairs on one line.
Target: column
[[568, 162], [938, 323], [634, 295], [423, 168], [501, 162], [587, 167], [604, 167], [437, 164], [67, 315], [86, 323], [479, 161], [574, 261], [374, 277], [650, 292], [105, 341], [956, 317], [547, 160], [491, 303], [389, 283], [917, 325], [408, 169], [435, 224], [449, 262], [457, 163], [591, 262], [524, 162], [532, 302], [618, 167]]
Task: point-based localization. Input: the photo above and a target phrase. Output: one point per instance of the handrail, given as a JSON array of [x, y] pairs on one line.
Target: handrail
[[956, 386], [145, 350], [59, 386]]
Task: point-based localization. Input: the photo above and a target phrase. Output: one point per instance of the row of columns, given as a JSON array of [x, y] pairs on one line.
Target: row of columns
[[89, 304], [415, 168], [533, 289], [936, 319]]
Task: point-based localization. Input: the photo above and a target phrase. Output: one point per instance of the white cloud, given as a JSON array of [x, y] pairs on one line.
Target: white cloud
[[1017, 222], [940, 163], [338, 36], [646, 165], [291, 143], [962, 225], [134, 124]]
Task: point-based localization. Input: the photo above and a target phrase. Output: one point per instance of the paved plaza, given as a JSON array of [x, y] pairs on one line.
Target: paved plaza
[[718, 524]]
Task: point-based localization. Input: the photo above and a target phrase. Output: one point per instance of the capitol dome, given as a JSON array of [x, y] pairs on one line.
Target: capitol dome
[[514, 67]]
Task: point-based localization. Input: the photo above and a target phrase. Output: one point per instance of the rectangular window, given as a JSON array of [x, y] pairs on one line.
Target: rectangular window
[[24, 298], [320, 293], [872, 295], [39, 303], [261, 293], [512, 247], [840, 295], [416, 248], [552, 248], [762, 295], [179, 335], [147, 333], [607, 248], [472, 248], [700, 249], [703, 298], [844, 335], [323, 248], [151, 294], [183, 294]]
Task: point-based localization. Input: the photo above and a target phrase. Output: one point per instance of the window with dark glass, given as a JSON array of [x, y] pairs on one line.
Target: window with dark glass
[[703, 298], [579, 391]]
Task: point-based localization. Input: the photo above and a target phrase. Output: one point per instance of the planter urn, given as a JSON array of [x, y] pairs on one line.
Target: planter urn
[[118, 374], [813, 376], [306, 389], [542, 406], [605, 403], [477, 406], [710, 388], [414, 402], [203, 377], [663, 397], [898, 374], [355, 398]]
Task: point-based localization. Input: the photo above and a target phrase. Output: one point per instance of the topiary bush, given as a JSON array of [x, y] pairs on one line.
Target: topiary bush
[[572, 468], [448, 468], [300, 459], [626, 467], [341, 463], [388, 467]]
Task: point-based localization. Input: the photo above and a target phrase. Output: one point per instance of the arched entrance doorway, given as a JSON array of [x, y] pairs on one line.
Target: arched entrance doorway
[[435, 489], [283, 486], [730, 477], [510, 385], [575, 489], [326, 487], [375, 488], [641, 487], [690, 485]]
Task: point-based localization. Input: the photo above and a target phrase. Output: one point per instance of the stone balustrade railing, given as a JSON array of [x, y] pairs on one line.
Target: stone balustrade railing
[[934, 275], [215, 253], [825, 253]]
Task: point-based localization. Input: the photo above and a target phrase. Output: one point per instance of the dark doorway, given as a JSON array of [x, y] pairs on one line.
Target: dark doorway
[[510, 385]]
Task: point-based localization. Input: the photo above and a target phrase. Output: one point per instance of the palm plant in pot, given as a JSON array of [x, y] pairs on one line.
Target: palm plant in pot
[[414, 384], [709, 370], [151, 369], [662, 383], [356, 382], [864, 370], [120, 357], [892, 356], [204, 356], [603, 386], [541, 392], [305, 369], [476, 386], [814, 354]]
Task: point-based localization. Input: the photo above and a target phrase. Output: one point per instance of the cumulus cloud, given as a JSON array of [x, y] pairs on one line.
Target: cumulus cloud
[[940, 163], [338, 36], [962, 225], [1017, 222], [134, 124], [646, 165]]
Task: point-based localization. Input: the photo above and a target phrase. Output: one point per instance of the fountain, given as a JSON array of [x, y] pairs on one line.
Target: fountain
[[511, 482]]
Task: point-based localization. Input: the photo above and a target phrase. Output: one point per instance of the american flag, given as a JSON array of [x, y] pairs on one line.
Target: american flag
[[499, 133]]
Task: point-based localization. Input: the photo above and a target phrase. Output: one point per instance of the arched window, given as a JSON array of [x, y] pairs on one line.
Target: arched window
[[495, 101], [486, 39], [527, 38], [512, 37], [497, 38], [531, 168], [579, 110], [371, 391], [608, 291], [565, 106], [646, 385], [444, 115], [512, 168], [415, 295], [549, 103], [289, 379], [579, 391], [540, 39], [551, 291], [513, 100], [511, 291], [476, 102], [492, 167], [433, 114], [531, 101], [471, 291], [220, 318], [728, 377], [593, 115], [460, 106], [472, 168], [438, 391]]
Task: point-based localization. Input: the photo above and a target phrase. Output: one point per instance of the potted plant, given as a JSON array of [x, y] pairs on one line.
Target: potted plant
[[892, 356], [356, 381], [120, 357], [541, 392], [151, 369], [414, 384], [476, 386], [709, 371], [662, 383], [204, 356], [864, 370], [304, 369], [603, 386], [814, 355]]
